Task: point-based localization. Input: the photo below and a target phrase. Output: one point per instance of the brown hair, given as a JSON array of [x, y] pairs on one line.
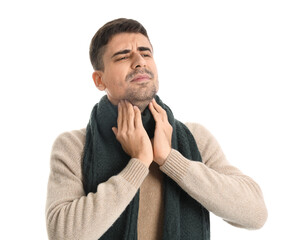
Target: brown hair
[[106, 32]]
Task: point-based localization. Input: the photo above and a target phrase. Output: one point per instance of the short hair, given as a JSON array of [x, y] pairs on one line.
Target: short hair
[[106, 32]]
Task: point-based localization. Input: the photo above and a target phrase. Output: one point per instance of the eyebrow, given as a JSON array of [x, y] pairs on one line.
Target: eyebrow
[[125, 51]]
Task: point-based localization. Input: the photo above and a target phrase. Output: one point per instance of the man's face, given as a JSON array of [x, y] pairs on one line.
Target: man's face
[[129, 70]]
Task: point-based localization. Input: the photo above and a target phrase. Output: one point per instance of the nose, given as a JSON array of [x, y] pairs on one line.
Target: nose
[[138, 61]]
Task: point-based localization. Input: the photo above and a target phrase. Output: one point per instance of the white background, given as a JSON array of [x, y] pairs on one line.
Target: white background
[[228, 65]]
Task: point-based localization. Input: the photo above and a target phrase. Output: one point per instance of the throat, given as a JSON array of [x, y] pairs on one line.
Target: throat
[[142, 105]]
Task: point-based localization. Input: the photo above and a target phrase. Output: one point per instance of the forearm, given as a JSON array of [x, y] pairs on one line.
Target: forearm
[[72, 215], [232, 196]]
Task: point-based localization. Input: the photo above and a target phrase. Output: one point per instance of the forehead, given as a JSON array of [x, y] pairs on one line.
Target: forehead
[[129, 41]]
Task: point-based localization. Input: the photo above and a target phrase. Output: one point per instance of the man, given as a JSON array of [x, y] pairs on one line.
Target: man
[[136, 172]]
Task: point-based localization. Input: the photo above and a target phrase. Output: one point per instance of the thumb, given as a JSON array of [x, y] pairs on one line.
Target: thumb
[[114, 129]]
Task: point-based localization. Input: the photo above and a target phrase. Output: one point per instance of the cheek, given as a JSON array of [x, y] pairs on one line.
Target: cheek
[[115, 80], [153, 68]]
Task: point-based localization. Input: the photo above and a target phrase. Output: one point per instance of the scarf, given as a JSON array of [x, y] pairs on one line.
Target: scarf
[[184, 217]]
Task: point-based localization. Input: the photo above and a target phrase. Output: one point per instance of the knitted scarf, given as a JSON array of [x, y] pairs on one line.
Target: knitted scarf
[[184, 217]]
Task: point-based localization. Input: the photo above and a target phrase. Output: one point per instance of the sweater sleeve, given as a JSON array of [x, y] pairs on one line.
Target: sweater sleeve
[[220, 187], [70, 214]]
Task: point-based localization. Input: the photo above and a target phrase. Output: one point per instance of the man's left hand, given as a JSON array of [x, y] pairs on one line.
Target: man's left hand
[[162, 135]]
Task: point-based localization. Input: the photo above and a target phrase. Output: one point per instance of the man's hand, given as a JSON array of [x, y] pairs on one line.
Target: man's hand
[[162, 135], [131, 133]]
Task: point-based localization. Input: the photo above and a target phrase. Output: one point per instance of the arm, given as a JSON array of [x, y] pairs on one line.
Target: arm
[[217, 185], [72, 215]]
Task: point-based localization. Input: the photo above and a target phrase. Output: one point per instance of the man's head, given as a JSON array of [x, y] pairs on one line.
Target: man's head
[[122, 57]]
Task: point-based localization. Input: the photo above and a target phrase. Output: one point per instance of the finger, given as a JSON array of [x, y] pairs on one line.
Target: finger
[[130, 115], [154, 112], [114, 129], [119, 117], [138, 120], [124, 115], [159, 109]]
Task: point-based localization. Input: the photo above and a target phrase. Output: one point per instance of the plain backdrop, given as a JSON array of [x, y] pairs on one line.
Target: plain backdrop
[[228, 65]]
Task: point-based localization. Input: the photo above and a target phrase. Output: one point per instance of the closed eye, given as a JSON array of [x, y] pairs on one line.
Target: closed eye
[[122, 58], [146, 55]]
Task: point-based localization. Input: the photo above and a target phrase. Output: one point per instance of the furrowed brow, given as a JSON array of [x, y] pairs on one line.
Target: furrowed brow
[[142, 49], [121, 52]]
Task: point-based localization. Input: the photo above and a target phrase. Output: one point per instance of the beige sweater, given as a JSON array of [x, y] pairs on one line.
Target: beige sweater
[[217, 185]]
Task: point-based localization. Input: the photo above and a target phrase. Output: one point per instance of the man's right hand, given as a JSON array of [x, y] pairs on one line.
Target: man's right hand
[[131, 133]]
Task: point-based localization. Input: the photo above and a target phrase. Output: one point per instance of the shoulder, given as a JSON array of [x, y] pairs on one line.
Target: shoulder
[[208, 146], [70, 139], [201, 134], [68, 147], [195, 127]]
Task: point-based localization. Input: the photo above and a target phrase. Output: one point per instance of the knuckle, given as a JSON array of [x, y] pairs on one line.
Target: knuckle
[[121, 135], [129, 133]]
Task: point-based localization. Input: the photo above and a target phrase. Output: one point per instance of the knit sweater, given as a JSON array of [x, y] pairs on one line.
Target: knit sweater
[[220, 187]]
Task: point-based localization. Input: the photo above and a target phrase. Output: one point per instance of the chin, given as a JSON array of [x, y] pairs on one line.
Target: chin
[[142, 101]]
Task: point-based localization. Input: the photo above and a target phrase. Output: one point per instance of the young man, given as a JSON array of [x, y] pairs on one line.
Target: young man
[[136, 172]]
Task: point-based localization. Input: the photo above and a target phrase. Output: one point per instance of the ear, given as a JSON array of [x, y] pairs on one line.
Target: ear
[[97, 78]]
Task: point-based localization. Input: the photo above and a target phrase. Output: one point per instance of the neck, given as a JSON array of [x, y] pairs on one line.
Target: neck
[[142, 105]]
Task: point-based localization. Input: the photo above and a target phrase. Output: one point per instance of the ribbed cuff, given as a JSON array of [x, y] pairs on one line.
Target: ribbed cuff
[[176, 166], [135, 172]]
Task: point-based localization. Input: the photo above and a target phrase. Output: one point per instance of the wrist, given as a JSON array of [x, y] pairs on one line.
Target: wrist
[[135, 172], [161, 160], [176, 166], [146, 161]]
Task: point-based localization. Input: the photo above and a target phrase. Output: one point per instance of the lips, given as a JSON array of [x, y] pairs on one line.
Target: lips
[[141, 78]]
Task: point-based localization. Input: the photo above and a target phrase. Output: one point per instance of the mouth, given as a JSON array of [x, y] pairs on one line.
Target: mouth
[[141, 78]]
